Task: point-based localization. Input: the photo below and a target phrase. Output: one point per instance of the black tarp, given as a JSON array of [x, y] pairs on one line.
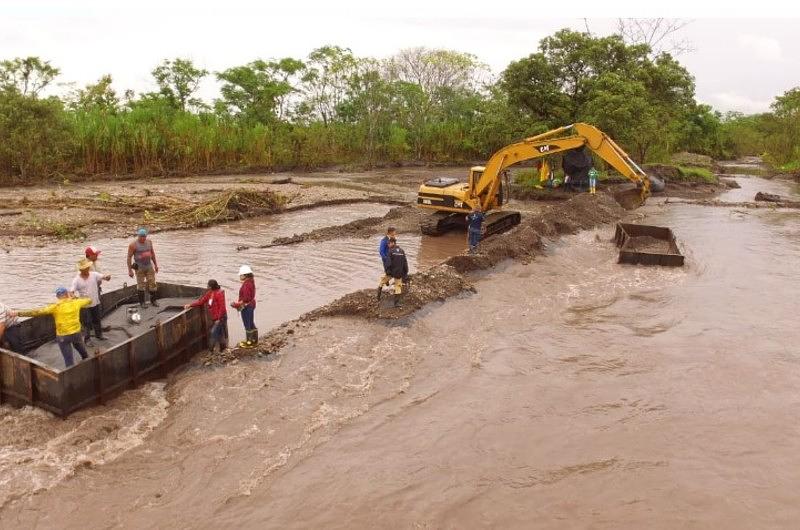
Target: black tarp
[[577, 164]]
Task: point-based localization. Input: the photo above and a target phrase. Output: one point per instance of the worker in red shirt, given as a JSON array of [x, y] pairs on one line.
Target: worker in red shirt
[[214, 299], [246, 304]]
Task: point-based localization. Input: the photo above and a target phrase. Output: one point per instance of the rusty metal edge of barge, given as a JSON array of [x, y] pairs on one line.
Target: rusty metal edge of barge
[[626, 231], [144, 357]]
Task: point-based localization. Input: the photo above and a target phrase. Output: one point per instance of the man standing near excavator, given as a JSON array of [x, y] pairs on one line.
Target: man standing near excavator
[[396, 266], [142, 260], [383, 250], [474, 225]]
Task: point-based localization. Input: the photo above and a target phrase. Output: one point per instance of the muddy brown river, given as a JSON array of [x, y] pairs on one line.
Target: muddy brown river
[[571, 392]]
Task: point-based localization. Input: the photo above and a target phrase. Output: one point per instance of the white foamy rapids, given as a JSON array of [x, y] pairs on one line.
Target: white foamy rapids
[[39, 450]]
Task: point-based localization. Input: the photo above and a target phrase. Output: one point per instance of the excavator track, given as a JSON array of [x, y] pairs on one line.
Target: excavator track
[[495, 223], [429, 226], [499, 222], [438, 223]]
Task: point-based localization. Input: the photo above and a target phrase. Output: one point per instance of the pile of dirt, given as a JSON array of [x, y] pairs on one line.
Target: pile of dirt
[[405, 219], [648, 244], [435, 284], [527, 193], [267, 344], [679, 185], [730, 183], [768, 197]]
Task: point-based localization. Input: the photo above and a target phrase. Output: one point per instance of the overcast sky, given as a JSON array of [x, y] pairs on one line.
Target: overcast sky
[[739, 64]]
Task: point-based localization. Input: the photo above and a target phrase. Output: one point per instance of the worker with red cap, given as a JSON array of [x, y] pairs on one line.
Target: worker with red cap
[[92, 254]]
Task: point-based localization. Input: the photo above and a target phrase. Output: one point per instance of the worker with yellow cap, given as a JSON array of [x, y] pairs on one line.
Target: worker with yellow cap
[[87, 285]]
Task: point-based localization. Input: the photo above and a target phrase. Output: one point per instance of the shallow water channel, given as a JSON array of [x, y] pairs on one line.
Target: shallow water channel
[[571, 392]]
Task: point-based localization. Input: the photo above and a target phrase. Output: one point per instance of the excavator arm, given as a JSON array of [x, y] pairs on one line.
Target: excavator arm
[[556, 141], [450, 198]]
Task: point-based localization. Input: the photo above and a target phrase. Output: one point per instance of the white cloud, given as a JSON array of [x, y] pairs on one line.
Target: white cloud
[[725, 101], [764, 48]]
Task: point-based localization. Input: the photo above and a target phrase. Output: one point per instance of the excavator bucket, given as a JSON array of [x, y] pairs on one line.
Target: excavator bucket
[[630, 198]]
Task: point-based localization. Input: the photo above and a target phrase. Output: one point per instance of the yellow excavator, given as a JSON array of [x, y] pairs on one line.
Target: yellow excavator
[[487, 186]]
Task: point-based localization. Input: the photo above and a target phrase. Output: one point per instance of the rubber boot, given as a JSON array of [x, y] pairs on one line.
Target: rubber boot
[[153, 298], [380, 291], [140, 294], [251, 338], [397, 301]]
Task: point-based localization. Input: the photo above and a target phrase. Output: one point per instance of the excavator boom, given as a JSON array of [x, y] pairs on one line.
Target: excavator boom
[[449, 197], [553, 142]]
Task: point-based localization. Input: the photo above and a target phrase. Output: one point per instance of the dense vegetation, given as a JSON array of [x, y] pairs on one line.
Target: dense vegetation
[[335, 108]]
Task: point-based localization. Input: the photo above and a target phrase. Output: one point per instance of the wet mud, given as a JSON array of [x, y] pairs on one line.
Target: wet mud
[[648, 244], [405, 219]]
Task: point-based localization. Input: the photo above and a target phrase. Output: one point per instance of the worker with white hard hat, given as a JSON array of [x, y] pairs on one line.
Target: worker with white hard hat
[[246, 304]]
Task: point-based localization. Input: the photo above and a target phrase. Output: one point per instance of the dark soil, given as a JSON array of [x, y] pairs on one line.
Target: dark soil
[[648, 244], [692, 190], [527, 193], [405, 219], [748, 205], [435, 284]]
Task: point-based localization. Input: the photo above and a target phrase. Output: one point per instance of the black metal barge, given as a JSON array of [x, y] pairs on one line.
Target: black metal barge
[[647, 245], [167, 337]]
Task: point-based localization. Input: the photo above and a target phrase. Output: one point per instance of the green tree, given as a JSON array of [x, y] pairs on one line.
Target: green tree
[[554, 84], [35, 136], [641, 101], [783, 140], [178, 80], [369, 107], [622, 109], [259, 91], [429, 83], [96, 96], [29, 75], [325, 81]]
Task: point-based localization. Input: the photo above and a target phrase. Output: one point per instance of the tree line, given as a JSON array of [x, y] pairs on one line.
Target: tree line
[[332, 108]]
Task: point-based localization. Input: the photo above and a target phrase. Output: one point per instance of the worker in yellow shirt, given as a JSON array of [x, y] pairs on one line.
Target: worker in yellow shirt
[[66, 313]]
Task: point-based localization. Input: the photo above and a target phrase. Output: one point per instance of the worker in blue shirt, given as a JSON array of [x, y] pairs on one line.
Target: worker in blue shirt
[[474, 224], [383, 250]]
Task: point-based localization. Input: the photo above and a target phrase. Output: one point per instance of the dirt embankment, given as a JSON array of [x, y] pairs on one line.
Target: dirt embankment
[[452, 277], [405, 219], [522, 242]]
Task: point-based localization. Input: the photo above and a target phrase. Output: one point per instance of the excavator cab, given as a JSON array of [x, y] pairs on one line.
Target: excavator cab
[[475, 174]]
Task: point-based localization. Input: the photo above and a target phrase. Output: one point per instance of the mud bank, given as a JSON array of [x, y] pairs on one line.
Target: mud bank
[[405, 219], [448, 279], [747, 205], [451, 278]]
